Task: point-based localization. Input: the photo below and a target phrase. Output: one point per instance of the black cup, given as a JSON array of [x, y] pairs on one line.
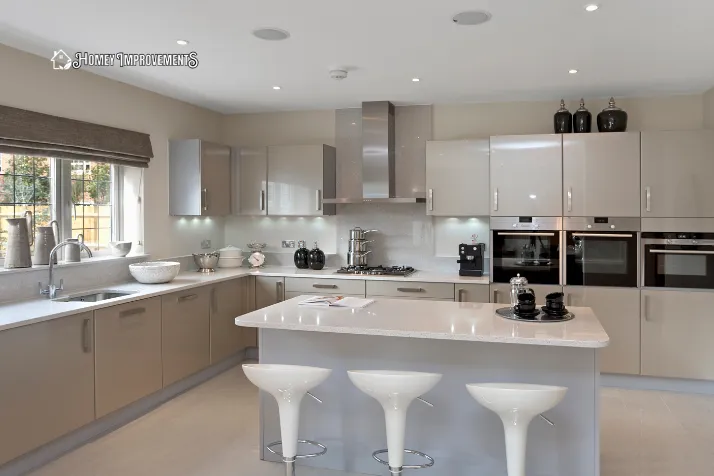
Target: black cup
[[554, 302], [526, 302]]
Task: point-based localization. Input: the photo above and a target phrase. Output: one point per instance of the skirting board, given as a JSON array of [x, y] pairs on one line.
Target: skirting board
[[98, 428], [639, 382]]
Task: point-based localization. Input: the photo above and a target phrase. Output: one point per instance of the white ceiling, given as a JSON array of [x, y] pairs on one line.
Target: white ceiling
[[626, 48]]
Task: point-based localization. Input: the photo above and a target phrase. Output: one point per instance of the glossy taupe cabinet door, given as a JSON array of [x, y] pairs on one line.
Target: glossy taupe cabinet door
[[216, 179], [501, 292], [677, 171], [250, 181], [457, 178], [472, 293], [618, 310], [228, 301], [677, 330], [601, 175], [299, 178], [128, 353], [47, 375], [185, 335], [269, 290], [527, 175]]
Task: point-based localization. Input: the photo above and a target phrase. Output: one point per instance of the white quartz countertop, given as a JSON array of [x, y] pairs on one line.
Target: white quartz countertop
[[15, 314], [424, 319]]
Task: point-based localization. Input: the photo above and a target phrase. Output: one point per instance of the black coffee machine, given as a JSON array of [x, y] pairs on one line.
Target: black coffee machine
[[471, 259]]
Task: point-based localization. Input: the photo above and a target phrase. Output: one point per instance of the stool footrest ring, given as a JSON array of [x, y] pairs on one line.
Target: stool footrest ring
[[307, 442], [409, 466]]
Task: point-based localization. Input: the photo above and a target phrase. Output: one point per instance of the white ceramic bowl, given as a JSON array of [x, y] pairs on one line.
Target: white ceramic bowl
[[231, 252], [120, 248], [230, 262], [155, 272]]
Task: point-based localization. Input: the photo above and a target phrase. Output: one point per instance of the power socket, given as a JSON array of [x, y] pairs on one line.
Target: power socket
[[205, 244], [288, 243]]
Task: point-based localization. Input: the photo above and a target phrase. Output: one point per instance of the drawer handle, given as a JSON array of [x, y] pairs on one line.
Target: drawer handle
[[461, 295], [86, 337], [189, 297], [410, 290], [132, 312], [495, 295], [325, 286]]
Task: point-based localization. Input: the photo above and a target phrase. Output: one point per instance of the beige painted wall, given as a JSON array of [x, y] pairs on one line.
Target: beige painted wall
[[709, 109], [280, 128], [29, 82]]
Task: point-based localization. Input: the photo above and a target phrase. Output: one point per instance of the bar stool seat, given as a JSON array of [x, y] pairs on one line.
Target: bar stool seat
[[395, 391]]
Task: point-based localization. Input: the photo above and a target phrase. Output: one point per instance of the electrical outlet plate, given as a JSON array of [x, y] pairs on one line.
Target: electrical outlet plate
[[205, 244], [288, 243]]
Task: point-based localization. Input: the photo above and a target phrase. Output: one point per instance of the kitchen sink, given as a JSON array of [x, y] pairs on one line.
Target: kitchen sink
[[94, 296]]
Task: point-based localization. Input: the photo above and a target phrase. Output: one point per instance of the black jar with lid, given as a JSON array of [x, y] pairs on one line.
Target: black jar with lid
[[612, 119], [300, 257], [316, 258], [563, 120], [582, 119]]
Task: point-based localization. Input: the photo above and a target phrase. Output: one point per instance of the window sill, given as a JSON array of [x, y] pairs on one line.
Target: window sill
[[84, 262]]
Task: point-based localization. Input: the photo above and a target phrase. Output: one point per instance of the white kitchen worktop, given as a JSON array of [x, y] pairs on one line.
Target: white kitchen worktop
[[424, 319], [22, 313]]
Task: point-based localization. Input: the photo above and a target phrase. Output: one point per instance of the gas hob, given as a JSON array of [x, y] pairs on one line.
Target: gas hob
[[378, 270]]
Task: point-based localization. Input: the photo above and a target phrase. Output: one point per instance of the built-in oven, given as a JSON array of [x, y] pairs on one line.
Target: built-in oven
[[601, 251], [678, 260], [529, 246]]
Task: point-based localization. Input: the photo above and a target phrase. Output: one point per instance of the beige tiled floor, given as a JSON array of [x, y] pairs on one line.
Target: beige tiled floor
[[212, 430]]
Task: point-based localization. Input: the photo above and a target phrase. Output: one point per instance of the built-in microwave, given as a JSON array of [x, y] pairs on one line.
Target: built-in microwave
[[678, 260], [529, 246], [601, 251]]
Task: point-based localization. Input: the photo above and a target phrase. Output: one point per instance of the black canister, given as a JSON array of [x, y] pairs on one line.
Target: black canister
[[316, 258], [612, 119], [582, 119], [563, 120], [300, 257]]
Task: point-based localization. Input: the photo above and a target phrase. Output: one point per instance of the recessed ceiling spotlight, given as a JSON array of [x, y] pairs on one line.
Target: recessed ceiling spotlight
[[572, 71], [416, 80], [271, 34], [276, 87], [182, 42], [591, 8], [471, 18]]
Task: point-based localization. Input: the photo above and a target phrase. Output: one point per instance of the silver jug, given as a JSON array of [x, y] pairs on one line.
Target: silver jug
[[19, 240], [73, 251], [46, 238]]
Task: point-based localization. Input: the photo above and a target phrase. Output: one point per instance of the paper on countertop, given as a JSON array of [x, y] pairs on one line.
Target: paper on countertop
[[337, 301]]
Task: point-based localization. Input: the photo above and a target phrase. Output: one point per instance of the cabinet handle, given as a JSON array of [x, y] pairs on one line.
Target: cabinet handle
[[279, 291], [495, 200], [570, 199], [431, 199], [604, 235], [325, 286], [318, 200], [132, 312], [460, 295], [188, 297], [86, 337], [262, 200], [645, 308], [495, 295], [204, 199], [682, 252], [648, 199], [410, 290]]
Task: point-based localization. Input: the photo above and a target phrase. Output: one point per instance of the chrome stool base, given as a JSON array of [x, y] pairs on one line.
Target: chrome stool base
[[406, 466], [290, 462]]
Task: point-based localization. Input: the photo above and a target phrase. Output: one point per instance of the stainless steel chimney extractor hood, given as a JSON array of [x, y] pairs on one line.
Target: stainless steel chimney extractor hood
[[378, 171]]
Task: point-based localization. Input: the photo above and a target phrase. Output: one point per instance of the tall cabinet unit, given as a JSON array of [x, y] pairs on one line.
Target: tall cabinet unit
[[457, 178], [601, 175], [47, 374], [199, 178], [677, 168], [526, 175]]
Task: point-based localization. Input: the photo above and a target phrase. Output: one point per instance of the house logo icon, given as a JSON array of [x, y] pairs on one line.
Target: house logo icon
[[61, 60]]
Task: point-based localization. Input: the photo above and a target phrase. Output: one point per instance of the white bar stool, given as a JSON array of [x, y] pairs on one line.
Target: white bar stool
[[288, 384], [396, 390], [517, 404]]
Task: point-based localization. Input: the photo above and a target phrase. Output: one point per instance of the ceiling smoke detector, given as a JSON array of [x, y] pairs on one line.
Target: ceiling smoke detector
[[338, 74], [471, 18], [271, 34]]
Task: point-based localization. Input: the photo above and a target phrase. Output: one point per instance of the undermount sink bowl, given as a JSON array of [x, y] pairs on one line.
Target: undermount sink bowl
[[94, 297]]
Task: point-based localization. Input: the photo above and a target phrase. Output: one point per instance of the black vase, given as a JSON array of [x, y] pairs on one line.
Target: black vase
[[563, 120], [612, 119], [300, 257], [316, 258], [582, 119]]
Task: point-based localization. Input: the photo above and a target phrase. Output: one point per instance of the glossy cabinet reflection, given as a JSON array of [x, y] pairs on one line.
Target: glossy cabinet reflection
[[471, 293]]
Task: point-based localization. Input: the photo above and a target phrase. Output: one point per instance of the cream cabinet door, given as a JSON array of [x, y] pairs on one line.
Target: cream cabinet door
[[501, 293], [677, 330], [251, 177], [618, 310], [457, 178], [228, 301], [601, 175], [215, 179], [185, 323], [47, 375], [677, 171], [128, 353], [527, 175], [472, 293]]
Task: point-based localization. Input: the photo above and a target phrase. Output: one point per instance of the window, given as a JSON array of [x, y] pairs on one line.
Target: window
[[84, 197]]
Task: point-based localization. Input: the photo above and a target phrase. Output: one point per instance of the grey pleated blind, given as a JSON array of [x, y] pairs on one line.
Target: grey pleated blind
[[33, 133]]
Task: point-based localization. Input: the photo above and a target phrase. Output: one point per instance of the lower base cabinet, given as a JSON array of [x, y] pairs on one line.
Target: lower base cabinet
[[472, 293], [185, 339], [677, 330], [229, 299], [501, 293], [47, 389], [410, 290], [618, 310], [128, 353]]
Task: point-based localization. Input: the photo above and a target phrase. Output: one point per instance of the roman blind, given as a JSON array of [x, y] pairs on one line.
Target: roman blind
[[33, 133]]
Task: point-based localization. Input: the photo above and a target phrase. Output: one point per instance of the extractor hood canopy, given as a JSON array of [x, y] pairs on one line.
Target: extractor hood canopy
[[378, 171]]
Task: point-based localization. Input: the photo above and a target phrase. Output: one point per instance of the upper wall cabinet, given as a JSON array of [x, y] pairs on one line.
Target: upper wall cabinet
[[677, 171], [601, 174], [250, 181], [199, 178], [457, 178], [527, 175]]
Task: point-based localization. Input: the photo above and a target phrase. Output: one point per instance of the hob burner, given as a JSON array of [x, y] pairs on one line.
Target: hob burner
[[378, 270]]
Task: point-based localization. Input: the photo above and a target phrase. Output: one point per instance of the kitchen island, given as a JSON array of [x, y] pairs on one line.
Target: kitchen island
[[467, 343]]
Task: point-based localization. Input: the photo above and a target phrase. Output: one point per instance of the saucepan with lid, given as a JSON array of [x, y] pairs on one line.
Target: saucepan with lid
[[358, 233]]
